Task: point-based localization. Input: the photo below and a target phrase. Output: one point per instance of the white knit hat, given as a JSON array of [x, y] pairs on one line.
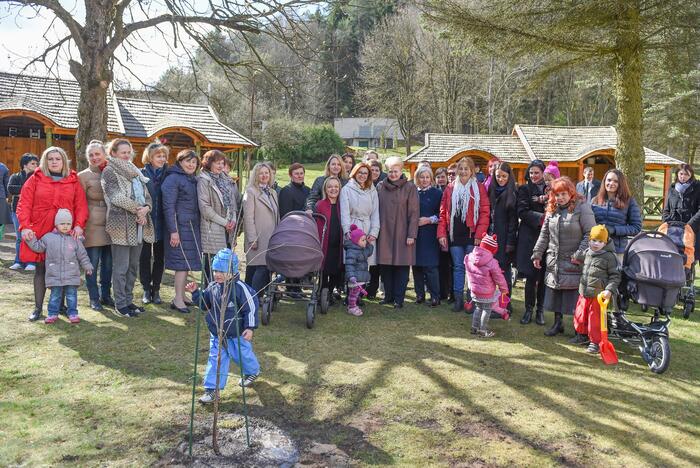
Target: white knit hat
[[63, 216]]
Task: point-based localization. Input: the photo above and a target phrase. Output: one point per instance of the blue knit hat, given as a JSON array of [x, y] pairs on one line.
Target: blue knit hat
[[225, 261]]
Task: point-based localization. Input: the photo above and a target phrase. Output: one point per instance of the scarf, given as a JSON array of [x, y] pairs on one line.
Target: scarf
[[681, 188], [461, 195], [225, 186], [126, 169]]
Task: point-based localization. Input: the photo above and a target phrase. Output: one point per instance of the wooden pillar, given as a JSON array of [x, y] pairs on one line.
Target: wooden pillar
[[239, 164], [667, 182], [49, 136], [580, 170], [198, 148]]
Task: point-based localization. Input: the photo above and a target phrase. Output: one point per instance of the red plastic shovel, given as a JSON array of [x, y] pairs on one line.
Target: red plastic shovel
[[607, 350]]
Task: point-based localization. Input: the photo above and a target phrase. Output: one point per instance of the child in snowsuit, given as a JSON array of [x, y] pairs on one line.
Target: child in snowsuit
[[357, 251], [484, 275], [64, 257], [239, 320], [600, 273]]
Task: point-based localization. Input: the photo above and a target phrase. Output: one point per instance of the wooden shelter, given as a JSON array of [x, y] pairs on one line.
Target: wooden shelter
[[38, 112]]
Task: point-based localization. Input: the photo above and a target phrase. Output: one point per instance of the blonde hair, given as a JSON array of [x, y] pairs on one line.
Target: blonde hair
[[393, 161], [469, 162], [420, 171], [255, 173], [343, 173], [116, 143], [152, 149], [95, 144], [44, 161], [325, 184]]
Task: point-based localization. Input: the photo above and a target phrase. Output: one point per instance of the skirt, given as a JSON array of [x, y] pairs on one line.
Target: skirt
[[562, 301]]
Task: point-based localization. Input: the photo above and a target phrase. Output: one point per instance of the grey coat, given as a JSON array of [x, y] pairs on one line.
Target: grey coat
[[563, 235], [64, 257], [356, 261], [214, 215]]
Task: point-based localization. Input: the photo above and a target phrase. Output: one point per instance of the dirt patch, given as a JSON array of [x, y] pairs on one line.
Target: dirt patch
[[427, 423]]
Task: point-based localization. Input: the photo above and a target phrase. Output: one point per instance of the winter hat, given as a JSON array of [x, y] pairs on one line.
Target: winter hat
[[26, 159], [599, 233], [553, 168], [489, 243], [63, 216], [225, 261], [356, 234]]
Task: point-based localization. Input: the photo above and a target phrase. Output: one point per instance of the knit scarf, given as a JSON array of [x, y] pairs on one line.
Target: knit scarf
[[126, 169], [681, 188], [461, 196], [224, 184]]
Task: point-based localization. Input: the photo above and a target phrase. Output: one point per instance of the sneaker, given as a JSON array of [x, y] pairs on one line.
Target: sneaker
[[35, 315], [592, 349], [579, 339], [50, 319], [248, 380], [15, 266], [208, 397], [136, 309], [486, 333], [74, 319], [125, 312], [95, 305], [30, 268]]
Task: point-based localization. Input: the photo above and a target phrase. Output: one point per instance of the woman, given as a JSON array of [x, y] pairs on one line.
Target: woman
[[492, 165], [531, 200], [53, 186], [28, 164], [332, 276], [182, 221], [152, 260], [441, 178], [564, 236], [217, 207], [97, 242], [260, 217], [377, 174], [293, 196], [464, 220], [615, 207], [348, 162], [128, 223], [334, 167], [425, 269], [683, 201], [504, 218], [396, 247]]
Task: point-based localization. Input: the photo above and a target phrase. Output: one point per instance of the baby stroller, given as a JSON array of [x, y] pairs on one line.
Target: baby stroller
[[295, 254], [684, 237], [652, 276]]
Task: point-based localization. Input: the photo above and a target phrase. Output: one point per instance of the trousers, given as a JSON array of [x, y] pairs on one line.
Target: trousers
[[587, 318], [249, 364]]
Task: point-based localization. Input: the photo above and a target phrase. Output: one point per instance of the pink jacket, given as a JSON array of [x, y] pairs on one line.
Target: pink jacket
[[484, 274]]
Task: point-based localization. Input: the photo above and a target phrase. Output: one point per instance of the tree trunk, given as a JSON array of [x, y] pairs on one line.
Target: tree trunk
[[629, 156], [92, 111], [408, 144]]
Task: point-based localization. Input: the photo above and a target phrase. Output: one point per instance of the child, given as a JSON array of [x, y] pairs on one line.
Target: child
[[357, 251], [484, 275], [64, 257], [600, 273], [241, 311]]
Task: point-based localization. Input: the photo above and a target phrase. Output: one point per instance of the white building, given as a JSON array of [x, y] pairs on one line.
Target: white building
[[368, 132]]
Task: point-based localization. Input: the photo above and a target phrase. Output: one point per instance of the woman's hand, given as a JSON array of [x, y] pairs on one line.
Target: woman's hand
[[423, 220], [77, 232], [410, 241], [443, 243], [174, 239], [27, 235], [477, 242], [142, 210], [191, 287], [230, 225], [371, 239], [537, 263], [140, 220], [575, 260]]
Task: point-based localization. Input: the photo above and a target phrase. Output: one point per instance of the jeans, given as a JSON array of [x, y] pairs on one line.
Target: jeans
[[151, 274], [57, 292], [250, 363], [458, 253], [99, 257], [125, 264], [258, 278], [421, 275], [15, 222], [395, 279]]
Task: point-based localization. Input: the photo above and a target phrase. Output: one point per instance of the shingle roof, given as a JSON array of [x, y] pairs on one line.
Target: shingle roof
[[441, 147], [58, 100]]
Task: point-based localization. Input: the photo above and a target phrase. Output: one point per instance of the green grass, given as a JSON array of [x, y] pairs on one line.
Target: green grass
[[409, 388]]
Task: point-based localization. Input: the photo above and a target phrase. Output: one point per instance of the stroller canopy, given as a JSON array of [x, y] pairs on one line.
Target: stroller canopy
[[653, 258], [294, 249]]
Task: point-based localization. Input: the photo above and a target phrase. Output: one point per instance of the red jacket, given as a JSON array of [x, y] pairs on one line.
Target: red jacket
[[324, 207], [40, 199], [482, 222]]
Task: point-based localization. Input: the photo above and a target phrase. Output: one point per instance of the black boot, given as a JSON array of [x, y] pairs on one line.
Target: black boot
[[458, 305], [147, 296], [35, 315], [155, 295], [558, 326], [539, 316], [527, 316]]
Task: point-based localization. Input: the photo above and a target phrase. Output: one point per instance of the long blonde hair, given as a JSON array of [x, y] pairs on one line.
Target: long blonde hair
[[343, 173], [44, 161], [255, 172]]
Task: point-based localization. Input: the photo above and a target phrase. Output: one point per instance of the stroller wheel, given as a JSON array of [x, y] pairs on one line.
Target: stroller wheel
[[688, 308], [659, 354], [324, 301], [310, 315], [266, 311]]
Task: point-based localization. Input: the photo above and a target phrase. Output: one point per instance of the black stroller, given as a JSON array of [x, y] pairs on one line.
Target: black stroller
[[652, 276], [684, 237], [294, 258]]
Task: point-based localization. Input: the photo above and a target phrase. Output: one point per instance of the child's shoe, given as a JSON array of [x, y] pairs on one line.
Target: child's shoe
[[248, 380], [501, 312], [356, 311], [475, 331], [579, 339], [486, 333], [208, 397], [51, 319], [592, 349], [74, 319]]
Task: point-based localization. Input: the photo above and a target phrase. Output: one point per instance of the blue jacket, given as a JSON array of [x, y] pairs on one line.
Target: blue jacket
[[620, 224], [243, 310], [427, 246], [155, 179], [181, 215], [356, 263]]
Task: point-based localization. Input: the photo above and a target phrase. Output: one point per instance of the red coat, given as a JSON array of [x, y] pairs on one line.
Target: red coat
[[324, 207], [40, 199], [482, 222]]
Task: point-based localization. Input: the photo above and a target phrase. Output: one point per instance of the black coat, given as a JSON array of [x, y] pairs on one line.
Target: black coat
[[685, 208], [181, 215], [14, 187], [531, 215], [504, 223], [427, 245], [293, 198], [155, 179]]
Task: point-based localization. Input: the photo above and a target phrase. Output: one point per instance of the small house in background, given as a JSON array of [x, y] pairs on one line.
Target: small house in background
[[38, 112], [369, 132], [572, 147]]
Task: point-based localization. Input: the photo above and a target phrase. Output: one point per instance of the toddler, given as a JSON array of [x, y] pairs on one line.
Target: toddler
[[64, 257], [484, 275], [600, 273], [240, 319], [357, 251]]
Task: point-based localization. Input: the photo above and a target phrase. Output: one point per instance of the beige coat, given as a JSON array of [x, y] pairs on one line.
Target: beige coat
[[213, 214], [260, 217], [95, 229], [399, 211]]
